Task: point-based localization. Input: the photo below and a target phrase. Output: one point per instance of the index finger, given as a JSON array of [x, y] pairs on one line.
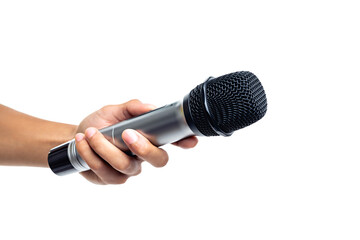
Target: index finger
[[129, 109], [135, 107]]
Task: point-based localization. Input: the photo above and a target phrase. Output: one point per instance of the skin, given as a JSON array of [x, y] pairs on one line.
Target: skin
[[26, 141]]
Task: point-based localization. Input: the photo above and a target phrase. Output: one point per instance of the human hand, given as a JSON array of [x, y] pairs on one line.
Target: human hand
[[109, 165]]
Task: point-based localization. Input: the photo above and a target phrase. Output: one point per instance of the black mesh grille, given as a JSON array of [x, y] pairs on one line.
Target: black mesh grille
[[235, 100]]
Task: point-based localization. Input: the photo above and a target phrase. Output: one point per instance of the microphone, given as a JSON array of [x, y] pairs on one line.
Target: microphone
[[217, 107]]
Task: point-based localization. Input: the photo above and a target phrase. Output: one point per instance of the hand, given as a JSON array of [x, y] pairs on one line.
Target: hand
[[109, 165]]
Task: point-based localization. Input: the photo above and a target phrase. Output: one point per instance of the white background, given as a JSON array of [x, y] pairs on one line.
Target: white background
[[293, 175]]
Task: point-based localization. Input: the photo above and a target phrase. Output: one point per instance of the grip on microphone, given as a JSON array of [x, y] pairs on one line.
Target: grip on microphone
[[217, 107]]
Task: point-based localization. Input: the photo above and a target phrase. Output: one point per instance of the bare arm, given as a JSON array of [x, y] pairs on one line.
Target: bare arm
[[26, 140]]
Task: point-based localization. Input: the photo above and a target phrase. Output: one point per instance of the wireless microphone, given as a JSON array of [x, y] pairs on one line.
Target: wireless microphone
[[217, 107]]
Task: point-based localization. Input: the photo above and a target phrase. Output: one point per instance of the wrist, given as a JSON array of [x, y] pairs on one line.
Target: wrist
[[60, 133]]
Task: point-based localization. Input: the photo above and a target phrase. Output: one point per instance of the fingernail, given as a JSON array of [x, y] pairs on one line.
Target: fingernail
[[90, 132], [130, 136], [79, 137]]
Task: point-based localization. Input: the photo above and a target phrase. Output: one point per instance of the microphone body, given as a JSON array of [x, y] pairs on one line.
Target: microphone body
[[219, 106], [163, 125]]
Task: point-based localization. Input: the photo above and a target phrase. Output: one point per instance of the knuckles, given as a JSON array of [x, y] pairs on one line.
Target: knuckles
[[105, 109], [121, 180], [161, 161], [96, 141], [117, 181], [122, 164], [96, 166], [142, 150], [137, 172], [134, 101], [146, 152]]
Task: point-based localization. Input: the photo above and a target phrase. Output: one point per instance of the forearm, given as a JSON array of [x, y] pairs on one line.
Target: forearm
[[26, 140]]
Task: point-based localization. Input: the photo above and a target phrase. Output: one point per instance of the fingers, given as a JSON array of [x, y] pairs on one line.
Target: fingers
[[142, 147], [132, 108], [136, 107], [111, 154], [109, 164], [102, 172], [185, 143], [92, 177]]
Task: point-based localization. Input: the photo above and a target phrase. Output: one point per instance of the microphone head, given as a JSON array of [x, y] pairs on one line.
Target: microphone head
[[222, 105]]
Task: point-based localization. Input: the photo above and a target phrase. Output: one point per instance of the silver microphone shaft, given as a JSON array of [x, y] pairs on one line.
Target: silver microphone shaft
[[163, 125]]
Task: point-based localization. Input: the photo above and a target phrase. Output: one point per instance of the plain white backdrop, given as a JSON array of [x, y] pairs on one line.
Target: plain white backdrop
[[293, 175]]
